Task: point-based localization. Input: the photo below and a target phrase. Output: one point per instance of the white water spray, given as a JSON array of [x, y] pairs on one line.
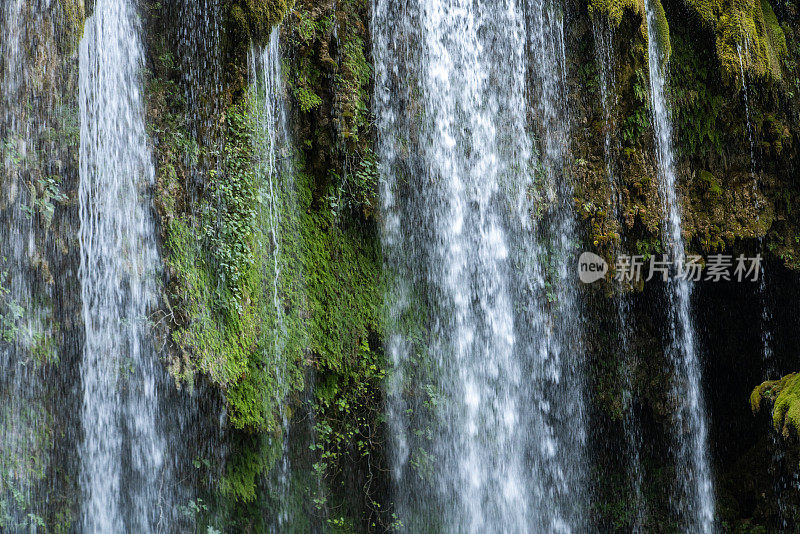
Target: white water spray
[[122, 451], [485, 409]]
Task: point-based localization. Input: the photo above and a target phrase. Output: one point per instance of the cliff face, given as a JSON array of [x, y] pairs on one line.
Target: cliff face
[[40, 330], [734, 84], [732, 77], [222, 324], [733, 115]]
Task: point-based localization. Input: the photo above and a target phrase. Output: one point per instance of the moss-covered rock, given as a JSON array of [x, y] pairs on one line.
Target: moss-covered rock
[[614, 10], [247, 23], [784, 396], [73, 15], [253, 20], [749, 39]]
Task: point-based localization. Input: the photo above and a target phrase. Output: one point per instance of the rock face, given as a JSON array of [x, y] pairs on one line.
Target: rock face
[[39, 297]]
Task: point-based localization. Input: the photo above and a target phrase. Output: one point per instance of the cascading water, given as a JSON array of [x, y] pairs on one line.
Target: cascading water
[[745, 92], [198, 42], [694, 501], [198, 36], [766, 316], [604, 55], [485, 327], [273, 134], [550, 327], [123, 479], [485, 404]]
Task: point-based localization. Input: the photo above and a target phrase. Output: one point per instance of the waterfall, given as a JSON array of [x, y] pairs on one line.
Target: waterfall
[[122, 455], [198, 40], [604, 55], [272, 137], [198, 36], [485, 404], [695, 499]]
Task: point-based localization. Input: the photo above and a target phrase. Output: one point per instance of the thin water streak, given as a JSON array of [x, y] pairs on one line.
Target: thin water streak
[[273, 144], [694, 500]]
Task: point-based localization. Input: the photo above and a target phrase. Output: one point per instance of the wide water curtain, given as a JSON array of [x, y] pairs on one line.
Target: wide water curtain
[[485, 401], [122, 453]]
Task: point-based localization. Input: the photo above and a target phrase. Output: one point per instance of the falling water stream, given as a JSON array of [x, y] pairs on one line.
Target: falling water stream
[[494, 438], [33, 169], [745, 95], [694, 500], [122, 454], [769, 371]]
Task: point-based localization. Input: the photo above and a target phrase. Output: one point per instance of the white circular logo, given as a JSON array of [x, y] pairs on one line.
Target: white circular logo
[[591, 267]]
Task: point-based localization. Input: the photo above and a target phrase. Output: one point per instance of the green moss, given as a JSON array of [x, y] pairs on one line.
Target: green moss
[[219, 257], [25, 450], [748, 35], [247, 23], [662, 28], [749, 38], [352, 80], [615, 9], [262, 15], [225, 329], [220, 261], [707, 10], [784, 394], [254, 19], [698, 104], [316, 62], [710, 183], [306, 98], [73, 15], [240, 483]]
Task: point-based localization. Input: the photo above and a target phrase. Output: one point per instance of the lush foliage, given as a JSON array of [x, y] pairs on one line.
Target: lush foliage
[[784, 395]]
